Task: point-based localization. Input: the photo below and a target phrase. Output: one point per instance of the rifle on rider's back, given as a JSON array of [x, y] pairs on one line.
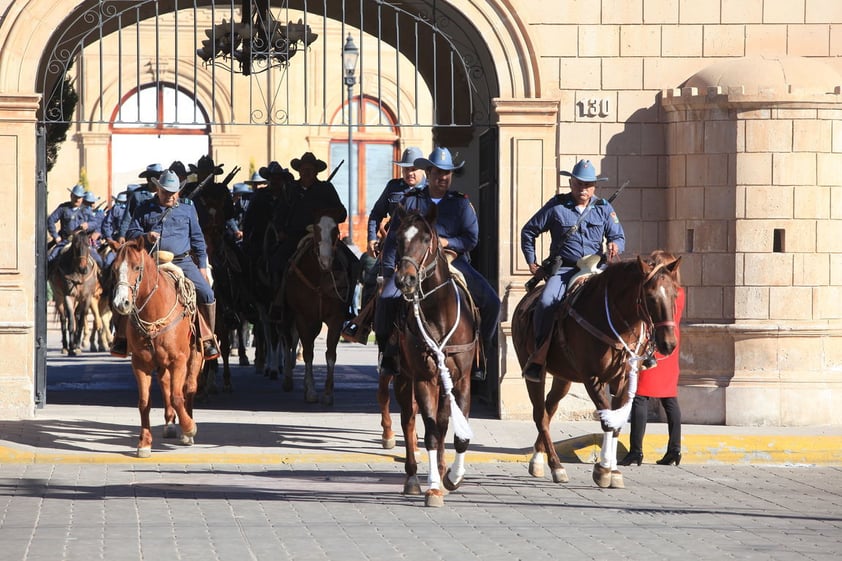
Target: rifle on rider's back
[[207, 179], [551, 265]]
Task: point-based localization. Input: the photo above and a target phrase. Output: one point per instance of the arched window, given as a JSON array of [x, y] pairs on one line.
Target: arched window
[[374, 144], [155, 123]]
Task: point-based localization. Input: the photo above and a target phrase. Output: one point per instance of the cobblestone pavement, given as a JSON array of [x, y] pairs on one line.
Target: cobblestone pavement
[[271, 477]]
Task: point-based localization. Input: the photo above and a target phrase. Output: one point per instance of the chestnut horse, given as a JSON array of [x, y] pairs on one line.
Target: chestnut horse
[[314, 292], [438, 341], [73, 277], [602, 331], [161, 305]]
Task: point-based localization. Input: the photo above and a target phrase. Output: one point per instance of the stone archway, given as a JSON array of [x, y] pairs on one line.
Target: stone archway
[[526, 141]]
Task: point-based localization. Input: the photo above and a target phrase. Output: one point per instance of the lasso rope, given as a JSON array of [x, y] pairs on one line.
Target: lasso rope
[[461, 428]]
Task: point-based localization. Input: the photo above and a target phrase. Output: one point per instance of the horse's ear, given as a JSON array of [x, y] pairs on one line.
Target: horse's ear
[[432, 213], [673, 267], [114, 244], [148, 241]]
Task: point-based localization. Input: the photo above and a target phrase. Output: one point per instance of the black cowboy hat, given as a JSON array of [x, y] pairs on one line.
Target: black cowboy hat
[[179, 169], [206, 166], [307, 158], [274, 169]]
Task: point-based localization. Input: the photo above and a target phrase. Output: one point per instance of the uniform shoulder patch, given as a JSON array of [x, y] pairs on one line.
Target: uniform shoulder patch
[[186, 201], [614, 218]]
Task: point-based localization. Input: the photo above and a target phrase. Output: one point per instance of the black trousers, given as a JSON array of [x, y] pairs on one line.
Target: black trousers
[[639, 415]]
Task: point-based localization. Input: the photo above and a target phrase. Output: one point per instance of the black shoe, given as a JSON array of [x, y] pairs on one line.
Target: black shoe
[[670, 459], [209, 349], [120, 348], [478, 374], [355, 334], [534, 372], [632, 458]]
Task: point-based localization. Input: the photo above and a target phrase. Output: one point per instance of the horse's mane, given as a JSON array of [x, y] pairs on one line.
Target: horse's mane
[[617, 274]]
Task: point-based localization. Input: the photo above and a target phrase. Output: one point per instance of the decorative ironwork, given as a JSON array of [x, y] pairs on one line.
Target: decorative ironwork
[[259, 42]]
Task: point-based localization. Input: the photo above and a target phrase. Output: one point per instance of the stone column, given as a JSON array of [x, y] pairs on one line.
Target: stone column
[[754, 184], [17, 256], [93, 147], [528, 177]]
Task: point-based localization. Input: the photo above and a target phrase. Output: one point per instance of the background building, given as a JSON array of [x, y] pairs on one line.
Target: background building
[[724, 115]]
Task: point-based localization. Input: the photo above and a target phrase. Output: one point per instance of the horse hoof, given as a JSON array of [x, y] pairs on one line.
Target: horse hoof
[[192, 432], [145, 452], [327, 400], [536, 469], [64, 352], [560, 476], [434, 498], [449, 484], [617, 480], [169, 431], [388, 443], [602, 476], [412, 487], [244, 360], [186, 440]]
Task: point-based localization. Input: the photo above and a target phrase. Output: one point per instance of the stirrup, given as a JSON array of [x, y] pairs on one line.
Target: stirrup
[[356, 334], [209, 350]]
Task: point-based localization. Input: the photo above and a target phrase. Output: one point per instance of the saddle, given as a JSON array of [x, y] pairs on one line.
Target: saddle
[[184, 287]]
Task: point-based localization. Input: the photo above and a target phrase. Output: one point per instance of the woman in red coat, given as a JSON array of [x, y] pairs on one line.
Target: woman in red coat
[[660, 382]]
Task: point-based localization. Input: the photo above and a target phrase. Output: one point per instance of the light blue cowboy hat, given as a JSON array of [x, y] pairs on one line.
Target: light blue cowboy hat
[[77, 190], [152, 170], [256, 179], [409, 156], [584, 171], [90, 197], [121, 197], [131, 188], [241, 189], [439, 158], [169, 182]]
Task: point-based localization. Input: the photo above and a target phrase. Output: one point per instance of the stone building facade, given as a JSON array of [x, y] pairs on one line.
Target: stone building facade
[[724, 115]]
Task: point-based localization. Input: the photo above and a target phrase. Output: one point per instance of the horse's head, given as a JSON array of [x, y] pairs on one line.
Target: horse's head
[[325, 237], [417, 248], [659, 292], [128, 271], [80, 248]]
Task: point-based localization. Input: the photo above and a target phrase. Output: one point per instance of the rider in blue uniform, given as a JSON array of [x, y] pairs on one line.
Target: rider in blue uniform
[[240, 199], [139, 195], [70, 217], [458, 230], [111, 223], [577, 222], [94, 218], [411, 177], [173, 223]]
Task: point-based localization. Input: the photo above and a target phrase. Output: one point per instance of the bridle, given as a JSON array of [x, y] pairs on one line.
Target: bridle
[[426, 265]]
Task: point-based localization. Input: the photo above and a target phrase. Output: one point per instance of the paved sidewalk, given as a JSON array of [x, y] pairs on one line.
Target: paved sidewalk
[[272, 478]]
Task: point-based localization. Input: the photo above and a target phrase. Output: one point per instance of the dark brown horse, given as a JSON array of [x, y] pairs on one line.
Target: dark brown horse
[[314, 295], [438, 339], [74, 280], [601, 333], [161, 305]]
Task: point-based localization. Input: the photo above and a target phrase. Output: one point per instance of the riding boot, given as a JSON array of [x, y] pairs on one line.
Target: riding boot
[[119, 344], [357, 330], [534, 371], [207, 321]]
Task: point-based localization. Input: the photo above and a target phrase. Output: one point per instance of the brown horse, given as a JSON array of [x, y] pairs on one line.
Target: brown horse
[[438, 340], [314, 295], [601, 333], [161, 305], [73, 278]]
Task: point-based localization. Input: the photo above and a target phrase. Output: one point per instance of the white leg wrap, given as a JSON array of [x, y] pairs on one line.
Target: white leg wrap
[[433, 477], [457, 469], [605, 453]]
